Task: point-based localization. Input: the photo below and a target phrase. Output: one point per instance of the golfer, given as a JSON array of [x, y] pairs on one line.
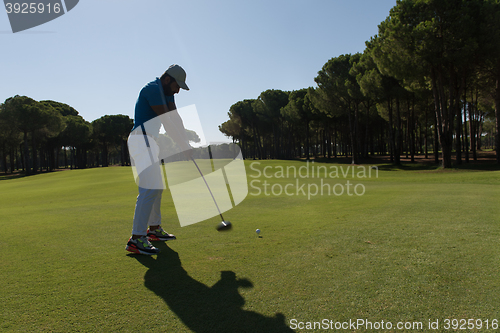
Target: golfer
[[155, 106]]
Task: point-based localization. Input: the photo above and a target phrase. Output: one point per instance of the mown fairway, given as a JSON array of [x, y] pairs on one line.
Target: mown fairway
[[417, 245]]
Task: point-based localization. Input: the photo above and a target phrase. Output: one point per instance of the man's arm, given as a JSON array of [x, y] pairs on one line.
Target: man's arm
[[173, 124], [161, 109]]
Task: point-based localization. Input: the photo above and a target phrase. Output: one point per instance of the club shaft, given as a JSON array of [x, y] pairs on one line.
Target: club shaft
[[209, 190], [201, 173]]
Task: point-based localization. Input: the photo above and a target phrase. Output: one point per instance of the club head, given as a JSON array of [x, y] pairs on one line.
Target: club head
[[224, 226]]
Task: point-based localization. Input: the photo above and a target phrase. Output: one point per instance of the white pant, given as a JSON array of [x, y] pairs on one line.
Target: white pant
[[147, 210], [148, 174]]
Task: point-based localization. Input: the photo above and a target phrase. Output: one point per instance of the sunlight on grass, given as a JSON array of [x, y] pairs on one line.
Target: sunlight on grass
[[417, 245]]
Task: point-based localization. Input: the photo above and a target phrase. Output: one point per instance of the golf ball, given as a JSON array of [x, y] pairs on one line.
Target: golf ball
[[257, 231]]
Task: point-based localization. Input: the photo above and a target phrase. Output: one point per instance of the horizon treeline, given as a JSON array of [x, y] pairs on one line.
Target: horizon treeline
[[47, 135], [428, 83]]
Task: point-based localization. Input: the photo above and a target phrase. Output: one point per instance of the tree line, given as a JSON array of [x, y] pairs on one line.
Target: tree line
[[47, 135], [428, 83]]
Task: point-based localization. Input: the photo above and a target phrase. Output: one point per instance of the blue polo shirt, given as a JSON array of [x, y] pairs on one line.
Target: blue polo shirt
[[151, 94]]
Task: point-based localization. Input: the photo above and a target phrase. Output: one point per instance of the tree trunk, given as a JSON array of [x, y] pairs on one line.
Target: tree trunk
[[391, 133], [466, 133], [308, 140], [480, 122], [12, 156], [436, 141], [353, 139], [443, 119], [472, 131], [426, 135], [34, 152], [458, 138], [397, 146], [4, 159], [27, 168], [357, 133], [497, 119], [411, 129]]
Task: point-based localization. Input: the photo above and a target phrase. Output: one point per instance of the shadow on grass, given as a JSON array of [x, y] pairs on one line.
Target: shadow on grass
[[432, 167], [381, 164], [20, 174], [8, 176], [486, 162], [202, 308]]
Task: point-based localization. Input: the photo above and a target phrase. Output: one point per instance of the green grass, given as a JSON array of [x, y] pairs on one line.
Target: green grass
[[420, 244]]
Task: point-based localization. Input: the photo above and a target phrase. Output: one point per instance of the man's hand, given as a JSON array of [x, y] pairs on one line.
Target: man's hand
[[173, 125]]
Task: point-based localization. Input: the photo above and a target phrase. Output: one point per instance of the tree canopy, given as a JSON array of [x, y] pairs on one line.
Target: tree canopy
[[420, 84], [49, 134]]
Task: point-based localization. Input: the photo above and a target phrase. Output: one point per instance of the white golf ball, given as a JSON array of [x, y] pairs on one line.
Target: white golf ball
[[257, 231]]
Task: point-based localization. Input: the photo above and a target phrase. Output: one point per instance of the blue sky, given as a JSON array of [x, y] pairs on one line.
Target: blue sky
[[99, 55]]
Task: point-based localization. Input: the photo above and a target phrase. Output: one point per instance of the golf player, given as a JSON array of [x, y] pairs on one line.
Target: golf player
[[155, 106]]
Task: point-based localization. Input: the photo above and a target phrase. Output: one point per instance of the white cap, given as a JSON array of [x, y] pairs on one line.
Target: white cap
[[179, 75]]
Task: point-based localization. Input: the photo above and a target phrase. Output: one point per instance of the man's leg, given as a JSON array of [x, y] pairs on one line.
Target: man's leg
[[144, 207], [154, 219], [139, 242], [155, 231], [151, 185], [143, 150]]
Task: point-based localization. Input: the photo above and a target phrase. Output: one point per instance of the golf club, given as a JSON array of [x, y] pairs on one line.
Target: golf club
[[223, 225]]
